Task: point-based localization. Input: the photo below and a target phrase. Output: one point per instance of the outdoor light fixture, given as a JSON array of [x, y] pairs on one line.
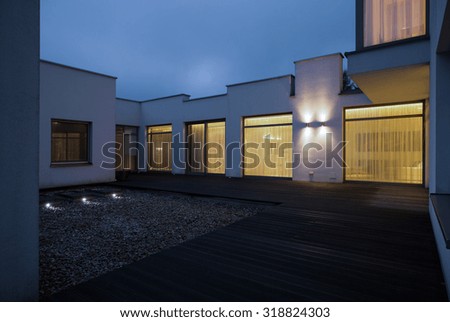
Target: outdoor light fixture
[[47, 205], [307, 124], [84, 199], [114, 195], [323, 124]]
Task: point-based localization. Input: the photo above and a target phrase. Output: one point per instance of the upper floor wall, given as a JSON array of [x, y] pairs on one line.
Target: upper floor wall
[[392, 56]]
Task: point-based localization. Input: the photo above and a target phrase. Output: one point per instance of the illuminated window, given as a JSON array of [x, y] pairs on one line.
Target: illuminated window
[[390, 20], [159, 140], [385, 143], [268, 146], [69, 141], [126, 140], [206, 152]]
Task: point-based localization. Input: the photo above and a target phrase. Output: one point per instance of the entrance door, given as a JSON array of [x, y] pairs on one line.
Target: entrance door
[[126, 141], [385, 143], [206, 147]]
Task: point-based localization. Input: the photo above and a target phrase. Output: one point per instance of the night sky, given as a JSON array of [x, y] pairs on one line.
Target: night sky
[[164, 47]]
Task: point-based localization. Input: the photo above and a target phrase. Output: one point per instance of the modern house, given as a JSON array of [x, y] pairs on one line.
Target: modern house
[[293, 126]]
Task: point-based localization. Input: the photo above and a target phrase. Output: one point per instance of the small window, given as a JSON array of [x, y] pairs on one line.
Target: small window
[[70, 141]]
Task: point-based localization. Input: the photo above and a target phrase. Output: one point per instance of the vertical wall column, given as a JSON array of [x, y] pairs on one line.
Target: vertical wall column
[[19, 192], [233, 133], [179, 148], [316, 103]]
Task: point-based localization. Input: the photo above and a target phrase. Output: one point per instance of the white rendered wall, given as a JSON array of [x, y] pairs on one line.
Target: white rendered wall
[[70, 94], [250, 99], [318, 83], [317, 100], [128, 112], [19, 195]]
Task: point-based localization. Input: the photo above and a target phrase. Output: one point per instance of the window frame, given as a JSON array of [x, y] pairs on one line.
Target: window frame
[[204, 155], [136, 165], [422, 115], [68, 163], [260, 126], [148, 136], [360, 29]]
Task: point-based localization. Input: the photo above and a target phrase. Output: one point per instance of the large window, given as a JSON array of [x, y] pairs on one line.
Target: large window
[[159, 139], [385, 143], [126, 140], [390, 20], [206, 147], [268, 146], [70, 141]]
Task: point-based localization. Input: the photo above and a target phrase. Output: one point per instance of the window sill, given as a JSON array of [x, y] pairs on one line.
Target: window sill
[[70, 164]]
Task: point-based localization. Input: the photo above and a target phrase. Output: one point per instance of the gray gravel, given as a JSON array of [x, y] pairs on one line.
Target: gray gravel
[[81, 240]]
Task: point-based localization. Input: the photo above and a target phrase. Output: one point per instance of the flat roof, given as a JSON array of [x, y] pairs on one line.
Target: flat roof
[[261, 80], [206, 97], [165, 97], [127, 99], [76, 68]]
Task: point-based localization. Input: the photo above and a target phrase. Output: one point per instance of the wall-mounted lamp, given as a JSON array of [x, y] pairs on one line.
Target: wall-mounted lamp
[[323, 124], [307, 124]]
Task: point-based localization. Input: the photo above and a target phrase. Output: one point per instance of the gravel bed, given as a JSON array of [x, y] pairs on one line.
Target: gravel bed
[[80, 240]]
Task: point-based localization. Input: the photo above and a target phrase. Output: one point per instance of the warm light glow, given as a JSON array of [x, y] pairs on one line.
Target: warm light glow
[[268, 120], [209, 140], [382, 147], [278, 131], [390, 20], [159, 140], [384, 111], [160, 129]]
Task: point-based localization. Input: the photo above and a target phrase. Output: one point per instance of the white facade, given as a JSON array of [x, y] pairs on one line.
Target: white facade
[[75, 95], [312, 96]]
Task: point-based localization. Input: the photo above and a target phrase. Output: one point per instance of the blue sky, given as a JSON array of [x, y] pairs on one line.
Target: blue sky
[[164, 47]]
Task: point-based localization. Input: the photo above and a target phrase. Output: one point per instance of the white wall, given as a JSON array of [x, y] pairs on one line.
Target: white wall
[[128, 112], [71, 94], [318, 84], [19, 102], [317, 100], [254, 98]]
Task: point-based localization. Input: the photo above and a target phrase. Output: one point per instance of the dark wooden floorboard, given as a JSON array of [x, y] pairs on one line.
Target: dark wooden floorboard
[[320, 242]]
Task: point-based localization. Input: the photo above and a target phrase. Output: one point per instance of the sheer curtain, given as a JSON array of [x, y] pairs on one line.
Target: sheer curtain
[[385, 144], [391, 20], [276, 130], [160, 148], [215, 152]]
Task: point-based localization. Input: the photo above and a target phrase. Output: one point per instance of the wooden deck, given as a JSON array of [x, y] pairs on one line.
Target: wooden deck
[[322, 242]]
